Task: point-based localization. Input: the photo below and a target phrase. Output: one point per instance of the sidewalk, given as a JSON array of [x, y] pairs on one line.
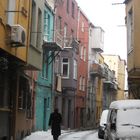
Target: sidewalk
[[43, 135]]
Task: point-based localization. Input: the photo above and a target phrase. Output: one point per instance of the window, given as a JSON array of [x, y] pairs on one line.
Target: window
[[49, 27], [72, 33], [45, 26], [75, 70], [65, 68], [25, 100], [59, 24], [33, 25], [23, 93], [102, 36], [90, 32], [48, 102], [4, 90], [73, 9], [83, 84], [56, 70], [113, 116], [83, 26], [39, 29], [68, 6], [11, 15], [84, 57], [45, 64], [81, 52], [80, 83], [47, 23]]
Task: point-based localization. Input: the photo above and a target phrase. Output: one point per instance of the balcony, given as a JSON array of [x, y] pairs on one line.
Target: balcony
[[53, 45], [58, 38], [111, 85], [98, 40], [97, 70]]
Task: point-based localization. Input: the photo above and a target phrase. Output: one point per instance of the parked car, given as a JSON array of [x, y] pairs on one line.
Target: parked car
[[102, 125], [123, 122]]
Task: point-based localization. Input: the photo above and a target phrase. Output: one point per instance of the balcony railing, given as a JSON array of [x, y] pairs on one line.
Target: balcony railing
[[97, 70], [58, 38], [55, 44]]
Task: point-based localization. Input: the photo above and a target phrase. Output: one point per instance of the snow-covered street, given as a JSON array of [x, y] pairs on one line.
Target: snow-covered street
[[66, 135]]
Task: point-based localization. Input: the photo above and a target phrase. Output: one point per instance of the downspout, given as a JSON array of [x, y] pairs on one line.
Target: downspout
[[28, 29], [75, 121], [54, 21], [15, 104]]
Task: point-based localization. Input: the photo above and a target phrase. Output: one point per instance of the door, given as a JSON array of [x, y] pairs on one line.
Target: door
[[69, 113], [45, 114]]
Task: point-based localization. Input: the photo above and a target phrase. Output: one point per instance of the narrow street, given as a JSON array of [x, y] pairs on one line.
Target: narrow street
[[80, 135], [66, 135]]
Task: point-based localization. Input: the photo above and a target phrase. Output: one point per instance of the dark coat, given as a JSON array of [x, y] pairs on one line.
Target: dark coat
[[55, 123]]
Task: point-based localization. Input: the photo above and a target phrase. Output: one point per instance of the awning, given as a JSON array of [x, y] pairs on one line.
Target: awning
[[51, 46]]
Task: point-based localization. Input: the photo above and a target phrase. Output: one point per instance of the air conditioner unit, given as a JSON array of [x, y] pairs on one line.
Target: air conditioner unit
[[18, 35]]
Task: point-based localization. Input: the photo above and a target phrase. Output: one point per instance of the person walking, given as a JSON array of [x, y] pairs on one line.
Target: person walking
[[55, 123]]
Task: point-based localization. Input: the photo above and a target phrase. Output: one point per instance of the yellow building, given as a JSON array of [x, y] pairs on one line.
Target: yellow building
[[14, 28], [97, 74], [99, 89], [18, 53], [133, 46], [118, 65]]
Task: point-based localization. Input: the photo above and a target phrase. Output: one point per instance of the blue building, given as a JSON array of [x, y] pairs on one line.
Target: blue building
[[44, 81]]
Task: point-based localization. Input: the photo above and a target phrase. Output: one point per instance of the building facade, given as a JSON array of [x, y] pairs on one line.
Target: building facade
[[133, 32], [110, 87], [17, 94], [66, 25], [44, 79], [118, 65], [83, 38], [95, 75]]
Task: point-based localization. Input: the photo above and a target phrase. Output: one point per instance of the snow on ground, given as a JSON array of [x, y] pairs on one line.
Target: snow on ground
[[66, 135]]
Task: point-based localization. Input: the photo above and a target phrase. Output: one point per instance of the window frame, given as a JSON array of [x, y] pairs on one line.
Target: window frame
[[73, 9], [68, 66], [75, 66]]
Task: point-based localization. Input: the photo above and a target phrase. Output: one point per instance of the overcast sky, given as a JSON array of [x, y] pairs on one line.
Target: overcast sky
[[111, 18]]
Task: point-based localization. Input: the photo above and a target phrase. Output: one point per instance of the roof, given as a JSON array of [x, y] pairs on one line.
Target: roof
[[125, 104]]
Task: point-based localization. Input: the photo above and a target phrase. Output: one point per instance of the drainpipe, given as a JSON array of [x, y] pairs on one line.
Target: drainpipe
[[53, 78], [15, 103]]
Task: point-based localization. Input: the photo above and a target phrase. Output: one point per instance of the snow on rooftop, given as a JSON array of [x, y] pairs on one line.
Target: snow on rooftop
[[125, 104]]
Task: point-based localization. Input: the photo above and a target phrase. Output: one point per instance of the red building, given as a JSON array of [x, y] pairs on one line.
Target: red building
[[83, 37], [67, 61]]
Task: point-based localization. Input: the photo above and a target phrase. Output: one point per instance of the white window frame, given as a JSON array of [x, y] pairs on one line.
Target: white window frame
[[84, 54], [65, 63], [83, 26], [81, 52], [45, 26], [75, 69], [83, 84], [80, 83]]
